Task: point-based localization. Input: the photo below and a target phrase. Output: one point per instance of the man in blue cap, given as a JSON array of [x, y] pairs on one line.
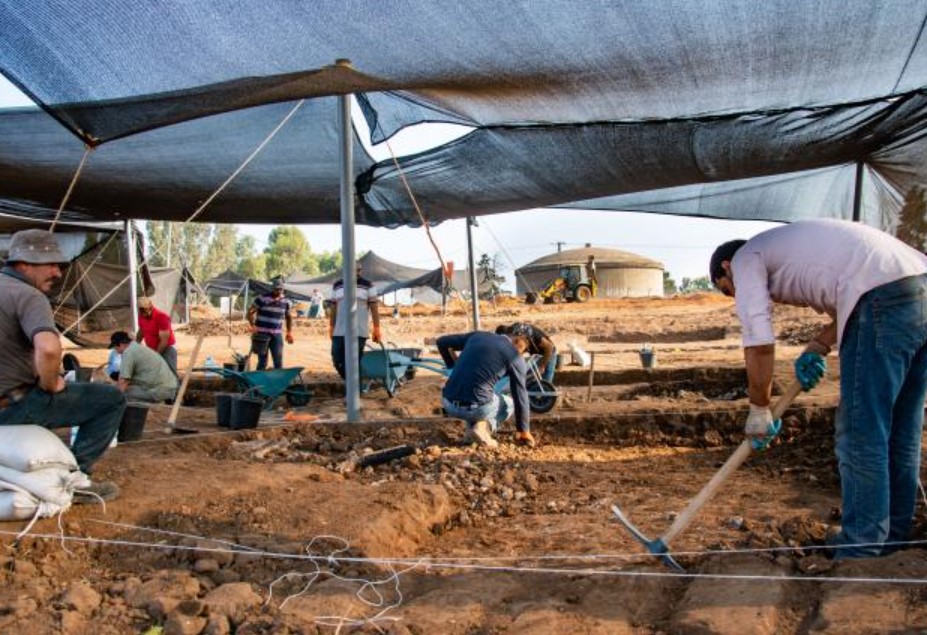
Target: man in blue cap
[[31, 389]]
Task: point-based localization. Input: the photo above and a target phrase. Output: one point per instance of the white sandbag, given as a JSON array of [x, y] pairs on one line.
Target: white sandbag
[[51, 484], [27, 448], [18, 505], [580, 357]]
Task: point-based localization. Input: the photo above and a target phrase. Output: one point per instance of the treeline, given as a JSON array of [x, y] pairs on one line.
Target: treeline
[[208, 249]]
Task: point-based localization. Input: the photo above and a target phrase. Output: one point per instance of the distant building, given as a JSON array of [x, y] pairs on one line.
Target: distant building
[[620, 274]]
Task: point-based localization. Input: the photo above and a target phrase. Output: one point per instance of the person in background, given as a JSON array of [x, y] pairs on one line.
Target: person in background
[[267, 316], [539, 344], [367, 310], [316, 304], [591, 275], [874, 289], [143, 374], [479, 360], [113, 364], [31, 389], [156, 331]]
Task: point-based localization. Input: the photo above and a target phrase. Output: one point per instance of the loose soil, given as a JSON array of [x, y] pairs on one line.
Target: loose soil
[[282, 529]]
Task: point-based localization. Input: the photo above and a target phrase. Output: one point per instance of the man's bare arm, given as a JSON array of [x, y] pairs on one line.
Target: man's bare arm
[[48, 361], [760, 361]]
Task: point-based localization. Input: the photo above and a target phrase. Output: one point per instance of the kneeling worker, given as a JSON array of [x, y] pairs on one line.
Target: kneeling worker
[[143, 374], [468, 394]]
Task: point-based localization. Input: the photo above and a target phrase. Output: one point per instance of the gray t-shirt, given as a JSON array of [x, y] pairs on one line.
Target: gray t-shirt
[[146, 369], [24, 312]]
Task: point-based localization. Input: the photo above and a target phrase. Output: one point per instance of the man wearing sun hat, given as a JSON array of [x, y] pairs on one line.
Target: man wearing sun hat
[[154, 328], [32, 391]]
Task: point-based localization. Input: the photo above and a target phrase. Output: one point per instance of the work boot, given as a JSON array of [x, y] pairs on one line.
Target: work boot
[[481, 434], [96, 493], [524, 438]]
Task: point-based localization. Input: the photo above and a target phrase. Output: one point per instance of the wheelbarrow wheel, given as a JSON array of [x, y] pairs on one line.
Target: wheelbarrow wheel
[[542, 396]]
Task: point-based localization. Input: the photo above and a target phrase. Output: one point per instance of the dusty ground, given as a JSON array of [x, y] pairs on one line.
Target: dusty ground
[[282, 529]]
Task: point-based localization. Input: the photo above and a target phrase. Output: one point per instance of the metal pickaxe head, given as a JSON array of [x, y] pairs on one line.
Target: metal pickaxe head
[[656, 547]]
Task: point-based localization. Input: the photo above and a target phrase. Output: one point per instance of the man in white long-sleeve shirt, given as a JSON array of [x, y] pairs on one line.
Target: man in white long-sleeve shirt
[[874, 288]]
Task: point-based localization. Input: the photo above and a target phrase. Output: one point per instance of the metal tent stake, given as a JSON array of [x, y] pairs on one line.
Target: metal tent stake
[[660, 546]]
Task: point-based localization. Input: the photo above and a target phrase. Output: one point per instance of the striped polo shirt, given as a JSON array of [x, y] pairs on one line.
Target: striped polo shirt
[[366, 298], [271, 312]]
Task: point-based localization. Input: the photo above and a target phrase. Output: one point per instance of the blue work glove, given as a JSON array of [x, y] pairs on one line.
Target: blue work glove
[[760, 428], [809, 369]]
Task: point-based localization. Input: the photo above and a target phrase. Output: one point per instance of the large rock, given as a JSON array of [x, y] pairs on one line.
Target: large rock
[[233, 600], [81, 597], [162, 593]]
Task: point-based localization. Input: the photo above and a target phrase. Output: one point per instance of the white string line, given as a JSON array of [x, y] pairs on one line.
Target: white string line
[[547, 557], [67, 195], [501, 569]]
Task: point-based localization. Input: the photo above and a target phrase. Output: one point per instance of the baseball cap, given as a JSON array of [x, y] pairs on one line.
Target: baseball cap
[[35, 247], [119, 337], [520, 329], [277, 283]]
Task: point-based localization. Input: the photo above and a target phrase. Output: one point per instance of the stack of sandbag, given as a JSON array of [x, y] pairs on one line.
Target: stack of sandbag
[[38, 473]]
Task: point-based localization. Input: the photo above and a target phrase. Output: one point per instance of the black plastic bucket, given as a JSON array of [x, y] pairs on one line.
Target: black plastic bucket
[[224, 409], [260, 343], [245, 412], [133, 422]]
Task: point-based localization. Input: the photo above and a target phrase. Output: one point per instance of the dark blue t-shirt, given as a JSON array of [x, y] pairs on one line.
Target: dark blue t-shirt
[[483, 359]]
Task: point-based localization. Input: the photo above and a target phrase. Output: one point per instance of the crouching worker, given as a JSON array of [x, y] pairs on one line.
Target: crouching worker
[[31, 389], [144, 375], [479, 360]]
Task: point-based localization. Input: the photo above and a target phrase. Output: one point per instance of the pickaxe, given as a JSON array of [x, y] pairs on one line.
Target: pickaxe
[[660, 546]]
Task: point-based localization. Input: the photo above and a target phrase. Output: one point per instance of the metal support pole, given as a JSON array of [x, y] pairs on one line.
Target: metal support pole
[[471, 262], [349, 266], [858, 192], [131, 248], [170, 225]]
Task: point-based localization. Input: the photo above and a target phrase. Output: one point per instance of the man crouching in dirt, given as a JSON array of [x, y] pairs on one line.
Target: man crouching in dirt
[[874, 287], [482, 361]]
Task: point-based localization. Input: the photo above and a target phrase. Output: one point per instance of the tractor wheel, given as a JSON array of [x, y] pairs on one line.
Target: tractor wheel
[[583, 293], [531, 298]]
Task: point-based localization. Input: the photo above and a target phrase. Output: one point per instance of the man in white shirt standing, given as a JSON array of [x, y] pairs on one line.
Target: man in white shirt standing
[[367, 305], [874, 288]]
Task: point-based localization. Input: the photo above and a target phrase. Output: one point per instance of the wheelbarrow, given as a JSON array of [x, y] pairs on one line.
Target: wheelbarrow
[[392, 368], [268, 385]]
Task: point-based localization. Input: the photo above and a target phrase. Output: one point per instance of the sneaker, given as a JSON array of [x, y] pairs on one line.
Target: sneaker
[[96, 493], [481, 434], [525, 439]]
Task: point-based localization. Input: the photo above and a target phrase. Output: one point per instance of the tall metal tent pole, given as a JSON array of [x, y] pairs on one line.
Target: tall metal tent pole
[[245, 307], [474, 288], [133, 273], [348, 266], [858, 192]]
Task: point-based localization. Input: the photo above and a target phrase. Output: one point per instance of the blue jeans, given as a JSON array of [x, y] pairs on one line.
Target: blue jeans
[[496, 411], [548, 374], [96, 409], [338, 352], [275, 347], [883, 379]]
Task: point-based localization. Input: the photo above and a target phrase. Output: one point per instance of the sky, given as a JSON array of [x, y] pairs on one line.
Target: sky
[[682, 244]]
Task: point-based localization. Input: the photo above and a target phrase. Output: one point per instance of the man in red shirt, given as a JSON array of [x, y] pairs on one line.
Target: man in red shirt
[[154, 327]]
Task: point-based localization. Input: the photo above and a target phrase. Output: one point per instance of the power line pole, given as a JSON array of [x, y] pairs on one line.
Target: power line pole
[[560, 245]]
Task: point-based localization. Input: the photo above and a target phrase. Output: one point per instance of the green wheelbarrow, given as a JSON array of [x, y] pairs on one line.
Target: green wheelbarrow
[[268, 385]]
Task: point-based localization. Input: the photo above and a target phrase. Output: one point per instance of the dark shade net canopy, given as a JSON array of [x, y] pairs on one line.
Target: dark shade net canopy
[[778, 166], [166, 174], [724, 108], [108, 68]]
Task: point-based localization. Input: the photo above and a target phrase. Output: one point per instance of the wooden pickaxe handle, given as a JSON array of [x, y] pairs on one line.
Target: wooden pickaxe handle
[[740, 455]]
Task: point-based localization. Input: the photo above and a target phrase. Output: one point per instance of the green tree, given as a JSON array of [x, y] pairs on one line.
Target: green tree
[[912, 220], [489, 280], [221, 253], [329, 261], [287, 251], [695, 285], [249, 263], [157, 243], [669, 285]]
